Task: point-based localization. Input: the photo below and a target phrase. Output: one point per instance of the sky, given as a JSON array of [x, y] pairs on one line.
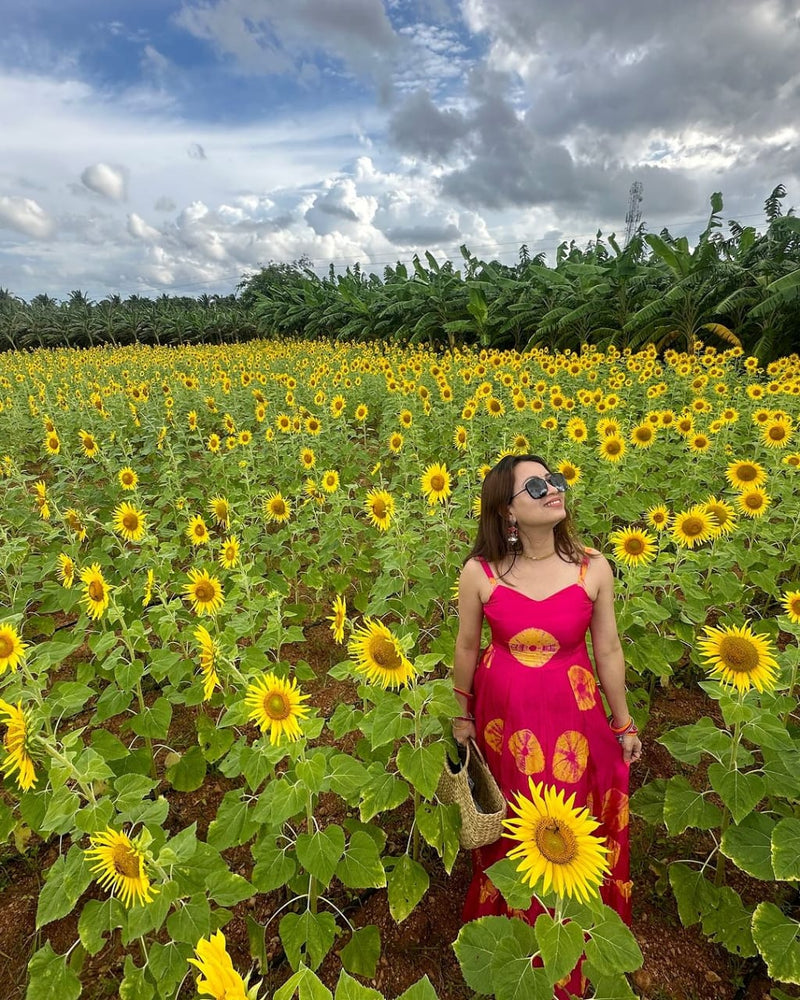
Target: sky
[[174, 146]]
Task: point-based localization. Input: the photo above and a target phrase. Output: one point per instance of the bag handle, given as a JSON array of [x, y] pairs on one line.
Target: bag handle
[[477, 751]]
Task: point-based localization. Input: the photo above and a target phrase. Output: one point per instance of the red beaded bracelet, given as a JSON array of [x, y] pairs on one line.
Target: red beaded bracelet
[[619, 729]]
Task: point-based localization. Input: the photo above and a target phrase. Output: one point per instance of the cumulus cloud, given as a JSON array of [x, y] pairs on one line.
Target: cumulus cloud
[[109, 181], [25, 216], [338, 207], [139, 229], [164, 204], [418, 127]]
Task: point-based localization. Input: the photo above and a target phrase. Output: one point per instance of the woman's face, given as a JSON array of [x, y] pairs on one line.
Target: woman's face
[[549, 509]]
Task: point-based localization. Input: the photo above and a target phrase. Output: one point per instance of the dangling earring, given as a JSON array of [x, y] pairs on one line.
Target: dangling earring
[[512, 537]]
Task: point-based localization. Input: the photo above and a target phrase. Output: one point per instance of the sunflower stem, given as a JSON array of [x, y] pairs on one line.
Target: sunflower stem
[[313, 888]]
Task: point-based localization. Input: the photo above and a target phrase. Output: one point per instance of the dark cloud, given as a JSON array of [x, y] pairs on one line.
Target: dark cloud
[[420, 128], [424, 235]]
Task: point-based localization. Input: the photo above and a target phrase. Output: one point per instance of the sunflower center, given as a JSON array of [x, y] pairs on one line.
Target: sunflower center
[[437, 482], [126, 861], [747, 473], [278, 507], [204, 591], [6, 646], [379, 507], [199, 530], [130, 522], [96, 590], [556, 842], [383, 652], [612, 448], [738, 654], [719, 513], [277, 707], [753, 500], [693, 526], [777, 433], [230, 553], [127, 478], [634, 546]]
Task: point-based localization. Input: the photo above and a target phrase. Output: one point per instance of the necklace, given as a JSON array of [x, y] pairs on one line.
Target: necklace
[[538, 558]]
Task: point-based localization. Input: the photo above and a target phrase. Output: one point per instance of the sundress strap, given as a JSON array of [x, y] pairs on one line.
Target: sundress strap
[[584, 567], [487, 569]]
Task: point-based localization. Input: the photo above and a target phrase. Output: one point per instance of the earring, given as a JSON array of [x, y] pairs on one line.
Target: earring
[[512, 537]]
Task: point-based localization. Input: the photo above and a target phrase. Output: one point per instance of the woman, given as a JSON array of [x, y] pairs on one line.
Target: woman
[[530, 699]]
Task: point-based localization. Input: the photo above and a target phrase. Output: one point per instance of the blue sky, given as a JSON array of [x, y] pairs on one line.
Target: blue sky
[[165, 146]]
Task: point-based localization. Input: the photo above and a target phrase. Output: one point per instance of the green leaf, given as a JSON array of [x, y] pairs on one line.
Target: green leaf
[[312, 772], [135, 985], [234, 823], [67, 879], [319, 852], [782, 773], [98, 919], [422, 766], [777, 938], [227, 888], [307, 936], [273, 867], [504, 876], [346, 776], [407, 884], [786, 849], [50, 976], [422, 989], [608, 985], [361, 953], [361, 866], [513, 976], [689, 743], [188, 773], [305, 984], [348, 988], [728, 924], [387, 722], [167, 964], [648, 801], [613, 947], [191, 920], [213, 741], [475, 947], [684, 807], [439, 826], [561, 945], [344, 720], [153, 721], [382, 792], [749, 846], [694, 894], [740, 791]]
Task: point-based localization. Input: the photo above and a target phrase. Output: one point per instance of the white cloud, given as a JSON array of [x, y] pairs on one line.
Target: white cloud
[[139, 229], [108, 181], [25, 216]]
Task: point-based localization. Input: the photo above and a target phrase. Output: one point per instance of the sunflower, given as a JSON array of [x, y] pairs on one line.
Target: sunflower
[[12, 648], [495, 407], [361, 412], [699, 442], [97, 592], [284, 423], [307, 458], [572, 473], [793, 460], [119, 863], [435, 483], [276, 706], [313, 426], [52, 443], [612, 448], [658, 517], [521, 444], [218, 979], [208, 656], [395, 442], [634, 547], [753, 503], [338, 618], [723, 514], [197, 532], [220, 509], [15, 744], [557, 845], [380, 506], [214, 443], [245, 438], [744, 475], [229, 553], [149, 583], [643, 435], [791, 605], [406, 418], [127, 478], [129, 522], [777, 434], [577, 430], [204, 591], [66, 572], [740, 657], [693, 527], [379, 655], [338, 404], [460, 438], [89, 444], [330, 480]]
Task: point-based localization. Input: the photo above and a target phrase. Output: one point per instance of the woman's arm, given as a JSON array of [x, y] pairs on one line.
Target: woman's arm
[[608, 656], [468, 645]]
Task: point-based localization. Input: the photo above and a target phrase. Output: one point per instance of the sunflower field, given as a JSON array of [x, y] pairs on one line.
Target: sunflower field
[[176, 523]]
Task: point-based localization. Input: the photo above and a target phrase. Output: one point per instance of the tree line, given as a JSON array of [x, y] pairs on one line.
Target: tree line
[[734, 288]]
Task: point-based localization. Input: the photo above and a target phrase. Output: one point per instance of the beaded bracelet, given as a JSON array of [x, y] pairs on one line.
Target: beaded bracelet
[[616, 730]]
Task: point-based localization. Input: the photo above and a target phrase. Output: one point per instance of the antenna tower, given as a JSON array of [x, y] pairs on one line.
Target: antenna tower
[[634, 214]]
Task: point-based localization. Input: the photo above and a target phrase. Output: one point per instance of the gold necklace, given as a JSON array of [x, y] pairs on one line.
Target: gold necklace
[[538, 558]]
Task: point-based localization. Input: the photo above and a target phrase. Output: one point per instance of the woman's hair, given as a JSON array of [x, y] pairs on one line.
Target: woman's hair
[[491, 542]]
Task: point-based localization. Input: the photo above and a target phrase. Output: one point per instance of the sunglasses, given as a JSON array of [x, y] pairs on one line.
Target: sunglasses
[[536, 487]]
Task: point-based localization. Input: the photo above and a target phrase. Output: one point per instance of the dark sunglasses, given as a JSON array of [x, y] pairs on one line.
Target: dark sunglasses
[[536, 487]]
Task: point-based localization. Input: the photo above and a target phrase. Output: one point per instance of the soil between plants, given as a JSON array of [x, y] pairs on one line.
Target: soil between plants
[[679, 963]]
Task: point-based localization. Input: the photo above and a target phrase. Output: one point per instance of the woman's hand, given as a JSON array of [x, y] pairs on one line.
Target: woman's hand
[[631, 748], [463, 730]]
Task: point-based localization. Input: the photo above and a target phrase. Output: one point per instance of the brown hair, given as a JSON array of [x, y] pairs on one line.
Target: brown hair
[[491, 542]]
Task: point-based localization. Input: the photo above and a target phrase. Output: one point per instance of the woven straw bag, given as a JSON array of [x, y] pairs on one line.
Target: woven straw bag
[[482, 807]]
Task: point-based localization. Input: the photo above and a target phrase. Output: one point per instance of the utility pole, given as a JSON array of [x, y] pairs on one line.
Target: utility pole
[[634, 214]]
